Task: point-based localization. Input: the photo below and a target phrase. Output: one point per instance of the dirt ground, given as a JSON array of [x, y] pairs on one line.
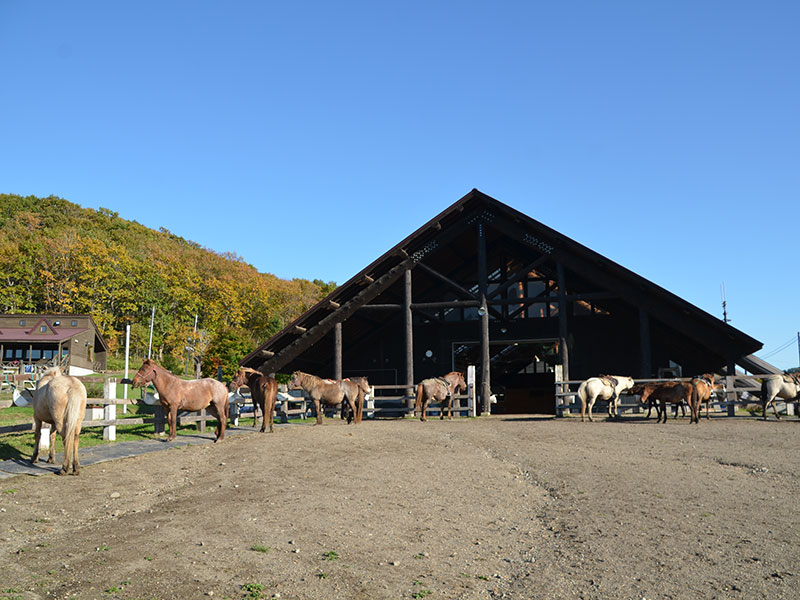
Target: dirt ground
[[497, 507]]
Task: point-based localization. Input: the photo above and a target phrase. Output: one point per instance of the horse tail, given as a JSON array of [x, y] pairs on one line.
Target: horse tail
[[694, 404], [73, 414], [582, 392], [419, 395]]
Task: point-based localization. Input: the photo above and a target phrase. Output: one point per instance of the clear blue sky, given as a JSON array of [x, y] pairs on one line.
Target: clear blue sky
[[310, 137]]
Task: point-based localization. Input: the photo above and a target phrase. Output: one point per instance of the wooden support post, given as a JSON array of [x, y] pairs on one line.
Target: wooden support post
[[201, 424], [110, 414], [409, 323], [646, 367], [562, 321], [159, 419], [730, 396], [337, 351], [483, 311]]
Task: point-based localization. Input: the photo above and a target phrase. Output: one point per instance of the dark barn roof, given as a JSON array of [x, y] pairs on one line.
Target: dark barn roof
[[648, 326]]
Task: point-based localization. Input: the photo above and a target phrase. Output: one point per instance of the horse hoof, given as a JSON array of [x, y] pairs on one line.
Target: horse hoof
[[61, 472]]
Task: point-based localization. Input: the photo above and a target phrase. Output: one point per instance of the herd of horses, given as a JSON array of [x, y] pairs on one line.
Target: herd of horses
[[694, 393], [60, 400]]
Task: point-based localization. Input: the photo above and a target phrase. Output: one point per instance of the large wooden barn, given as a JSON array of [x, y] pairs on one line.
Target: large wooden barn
[[483, 284]]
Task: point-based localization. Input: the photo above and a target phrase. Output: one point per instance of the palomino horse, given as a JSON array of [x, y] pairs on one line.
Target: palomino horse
[[605, 387], [779, 386], [439, 389], [702, 386], [663, 392], [329, 392], [263, 391], [61, 401], [178, 394]]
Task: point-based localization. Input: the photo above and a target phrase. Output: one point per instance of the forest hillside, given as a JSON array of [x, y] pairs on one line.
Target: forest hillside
[[56, 256]]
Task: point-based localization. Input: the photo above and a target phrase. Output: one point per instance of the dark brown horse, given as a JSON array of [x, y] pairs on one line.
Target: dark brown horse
[[263, 391], [178, 394], [664, 392], [439, 389], [702, 386], [329, 392]]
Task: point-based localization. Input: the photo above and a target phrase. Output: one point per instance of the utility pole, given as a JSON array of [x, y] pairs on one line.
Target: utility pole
[[150, 343]]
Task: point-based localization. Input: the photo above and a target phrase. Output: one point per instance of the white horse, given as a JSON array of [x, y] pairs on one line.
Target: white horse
[[607, 387], [61, 401], [776, 386]]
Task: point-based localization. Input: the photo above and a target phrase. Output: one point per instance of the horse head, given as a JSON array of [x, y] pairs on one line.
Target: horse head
[[145, 374], [297, 381], [458, 382], [240, 379]]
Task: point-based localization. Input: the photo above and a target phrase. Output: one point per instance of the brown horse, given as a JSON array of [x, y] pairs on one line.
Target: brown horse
[[178, 394], [702, 386], [263, 391], [664, 392], [439, 389], [61, 401], [328, 392], [358, 394]]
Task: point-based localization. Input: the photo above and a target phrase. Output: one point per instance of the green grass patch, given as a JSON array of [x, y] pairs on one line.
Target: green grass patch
[[263, 549], [330, 555]]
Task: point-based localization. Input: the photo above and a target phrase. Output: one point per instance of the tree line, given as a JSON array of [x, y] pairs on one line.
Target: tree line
[[57, 257]]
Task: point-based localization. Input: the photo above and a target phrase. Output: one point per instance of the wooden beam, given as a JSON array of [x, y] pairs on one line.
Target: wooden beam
[[409, 328], [267, 354], [381, 307], [449, 304], [298, 329], [446, 280], [518, 276], [337, 351], [562, 320], [485, 351], [332, 304], [366, 279]]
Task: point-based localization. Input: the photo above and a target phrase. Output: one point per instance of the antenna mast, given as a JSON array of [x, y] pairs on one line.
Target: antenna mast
[[724, 304]]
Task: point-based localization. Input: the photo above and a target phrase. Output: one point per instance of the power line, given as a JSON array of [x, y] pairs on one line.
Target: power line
[[781, 348]]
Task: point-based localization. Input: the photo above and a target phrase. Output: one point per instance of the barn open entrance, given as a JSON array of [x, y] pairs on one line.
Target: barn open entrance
[[523, 372]]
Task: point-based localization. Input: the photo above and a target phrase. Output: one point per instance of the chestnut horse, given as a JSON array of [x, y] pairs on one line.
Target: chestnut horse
[[779, 386], [605, 387], [329, 392], [702, 386], [61, 401], [263, 391], [178, 394], [439, 389], [663, 392]]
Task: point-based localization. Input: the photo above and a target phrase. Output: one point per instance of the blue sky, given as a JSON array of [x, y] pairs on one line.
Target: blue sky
[[310, 137]]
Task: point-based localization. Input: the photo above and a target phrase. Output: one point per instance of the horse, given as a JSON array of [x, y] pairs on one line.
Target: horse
[[676, 392], [604, 387], [359, 393], [178, 394], [439, 389], [702, 386], [328, 392], [263, 391], [778, 386], [61, 401]]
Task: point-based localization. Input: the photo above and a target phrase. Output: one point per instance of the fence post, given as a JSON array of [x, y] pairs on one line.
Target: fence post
[[110, 414], [471, 391], [44, 441], [201, 424], [730, 394], [158, 420]]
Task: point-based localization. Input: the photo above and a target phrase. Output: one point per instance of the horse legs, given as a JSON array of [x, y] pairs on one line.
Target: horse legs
[[423, 414], [255, 413], [351, 414], [37, 438], [318, 411], [172, 419], [51, 458], [591, 404], [269, 405]]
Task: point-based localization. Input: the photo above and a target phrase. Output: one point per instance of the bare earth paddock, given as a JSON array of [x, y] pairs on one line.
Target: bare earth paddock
[[498, 507]]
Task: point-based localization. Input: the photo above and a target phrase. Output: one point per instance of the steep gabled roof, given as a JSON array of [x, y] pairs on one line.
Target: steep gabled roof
[[444, 228]]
